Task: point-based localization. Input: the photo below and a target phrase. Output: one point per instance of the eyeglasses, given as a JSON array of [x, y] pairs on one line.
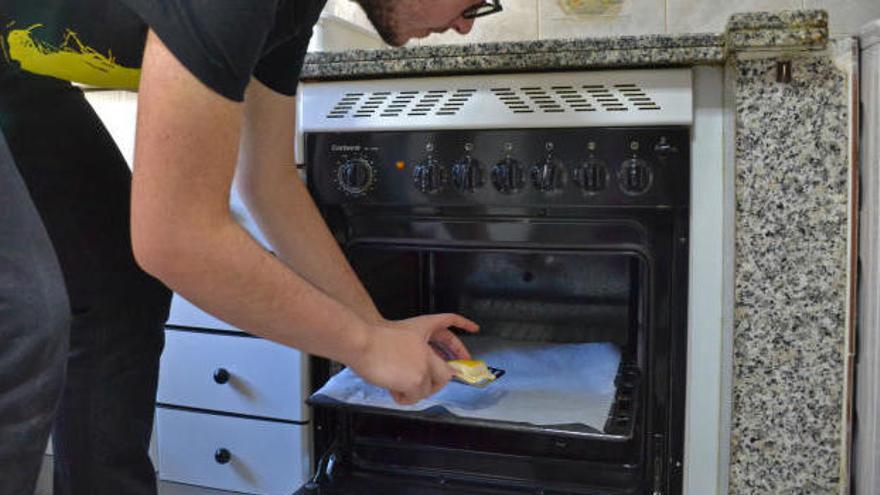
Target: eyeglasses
[[484, 8]]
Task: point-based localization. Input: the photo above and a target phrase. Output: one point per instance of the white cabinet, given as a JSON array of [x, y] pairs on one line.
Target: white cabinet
[[227, 453], [186, 314], [231, 413], [236, 374]]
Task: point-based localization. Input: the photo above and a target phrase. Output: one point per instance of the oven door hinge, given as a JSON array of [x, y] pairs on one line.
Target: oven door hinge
[[659, 462], [325, 470]]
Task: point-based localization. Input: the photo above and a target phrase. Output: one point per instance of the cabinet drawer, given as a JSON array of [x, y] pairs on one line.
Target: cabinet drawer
[[228, 373], [229, 453], [186, 314]]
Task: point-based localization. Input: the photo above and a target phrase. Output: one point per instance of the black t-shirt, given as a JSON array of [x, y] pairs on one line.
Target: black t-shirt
[[101, 42]]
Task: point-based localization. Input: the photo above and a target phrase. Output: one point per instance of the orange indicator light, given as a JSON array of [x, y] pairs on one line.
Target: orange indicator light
[[400, 165]]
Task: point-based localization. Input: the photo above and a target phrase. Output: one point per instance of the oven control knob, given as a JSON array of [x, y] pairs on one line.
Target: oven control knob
[[635, 177], [547, 176], [664, 150], [591, 175], [507, 176], [356, 176], [429, 176], [467, 175]]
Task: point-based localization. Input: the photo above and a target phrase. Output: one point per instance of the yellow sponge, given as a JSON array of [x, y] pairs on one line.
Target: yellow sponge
[[472, 372]]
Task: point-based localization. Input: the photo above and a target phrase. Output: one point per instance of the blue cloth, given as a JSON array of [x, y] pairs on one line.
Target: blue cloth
[[544, 384]]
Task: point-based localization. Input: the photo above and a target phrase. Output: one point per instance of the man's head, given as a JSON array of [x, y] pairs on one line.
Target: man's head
[[398, 21]]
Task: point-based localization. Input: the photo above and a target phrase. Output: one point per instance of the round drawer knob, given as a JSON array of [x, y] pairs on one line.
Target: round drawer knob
[[221, 376], [222, 456]]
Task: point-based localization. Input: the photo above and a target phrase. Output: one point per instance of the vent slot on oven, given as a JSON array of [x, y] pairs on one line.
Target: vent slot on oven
[[500, 101], [626, 97], [576, 98], [389, 104]]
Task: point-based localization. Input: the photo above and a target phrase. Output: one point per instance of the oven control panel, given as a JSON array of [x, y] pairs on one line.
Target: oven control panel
[[520, 167]]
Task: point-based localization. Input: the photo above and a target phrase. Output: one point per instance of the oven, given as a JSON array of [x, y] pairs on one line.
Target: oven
[[553, 210]]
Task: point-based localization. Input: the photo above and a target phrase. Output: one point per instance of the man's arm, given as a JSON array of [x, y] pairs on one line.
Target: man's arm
[[273, 192], [182, 230], [183, 233]]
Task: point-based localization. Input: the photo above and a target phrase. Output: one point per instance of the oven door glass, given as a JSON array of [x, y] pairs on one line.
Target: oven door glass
[[546, 296]]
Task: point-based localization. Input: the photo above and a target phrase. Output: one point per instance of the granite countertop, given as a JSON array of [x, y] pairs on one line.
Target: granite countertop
[[667, 50], [806, 29]]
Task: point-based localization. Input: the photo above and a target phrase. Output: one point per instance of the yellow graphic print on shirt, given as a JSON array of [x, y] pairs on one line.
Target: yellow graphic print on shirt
[[72, 61]]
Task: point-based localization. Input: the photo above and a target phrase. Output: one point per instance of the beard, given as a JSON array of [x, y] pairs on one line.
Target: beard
[[385, 16]]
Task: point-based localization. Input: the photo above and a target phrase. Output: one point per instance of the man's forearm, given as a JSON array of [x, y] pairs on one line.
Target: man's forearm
[[224, 271], [284, 210], [289, 219]]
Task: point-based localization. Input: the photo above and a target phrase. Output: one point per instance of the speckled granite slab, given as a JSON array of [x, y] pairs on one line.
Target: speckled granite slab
[[780, 30], [789, 30], [781, 20], [792, 191], [632, 51]]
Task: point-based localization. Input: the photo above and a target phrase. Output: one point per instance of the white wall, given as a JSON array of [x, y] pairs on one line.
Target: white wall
[[547, 19]]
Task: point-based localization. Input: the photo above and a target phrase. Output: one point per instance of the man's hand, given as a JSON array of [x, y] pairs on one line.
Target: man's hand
[[399, 355]]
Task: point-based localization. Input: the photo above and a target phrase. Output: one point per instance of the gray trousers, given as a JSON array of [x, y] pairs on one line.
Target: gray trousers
[[81, 302], [34, 322]]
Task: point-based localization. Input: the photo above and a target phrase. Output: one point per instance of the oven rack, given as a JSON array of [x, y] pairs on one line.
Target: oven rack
[[619, 426]]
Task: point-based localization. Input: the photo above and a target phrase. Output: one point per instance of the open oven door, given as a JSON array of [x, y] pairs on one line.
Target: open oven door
[[403, 466], [378, 467], [595, 285], [370, 484]]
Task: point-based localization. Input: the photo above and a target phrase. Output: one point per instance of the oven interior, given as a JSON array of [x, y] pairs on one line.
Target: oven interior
[[536, 295]]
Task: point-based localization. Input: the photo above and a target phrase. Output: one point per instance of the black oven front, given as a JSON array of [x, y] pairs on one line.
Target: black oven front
[[560, 236]]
